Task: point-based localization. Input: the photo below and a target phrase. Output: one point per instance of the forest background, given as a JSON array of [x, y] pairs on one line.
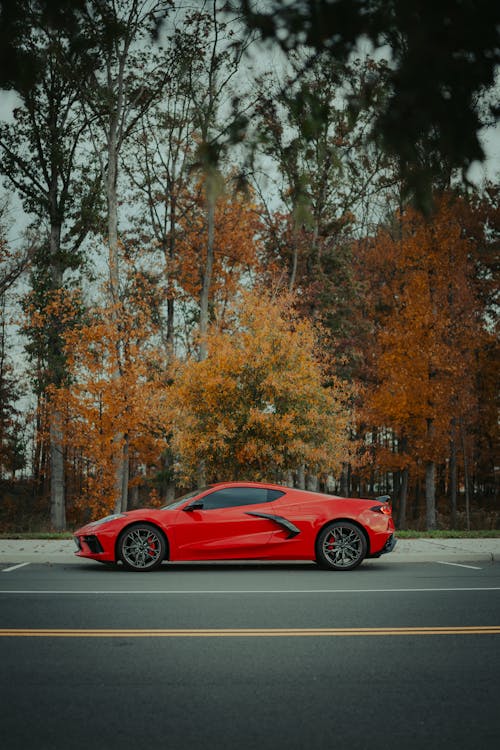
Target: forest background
[[224, 258]]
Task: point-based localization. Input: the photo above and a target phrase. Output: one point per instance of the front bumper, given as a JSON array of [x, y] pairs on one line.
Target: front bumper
[[89, 544], [94, 548]]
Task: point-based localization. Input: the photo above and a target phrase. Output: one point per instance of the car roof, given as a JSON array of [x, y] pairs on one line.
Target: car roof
[[220, 485], [269, 485]]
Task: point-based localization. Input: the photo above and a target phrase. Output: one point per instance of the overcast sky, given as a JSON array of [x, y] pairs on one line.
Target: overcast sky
[[478, 173]]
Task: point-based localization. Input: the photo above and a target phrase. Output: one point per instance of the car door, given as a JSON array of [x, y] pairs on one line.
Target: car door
[[228, 523]]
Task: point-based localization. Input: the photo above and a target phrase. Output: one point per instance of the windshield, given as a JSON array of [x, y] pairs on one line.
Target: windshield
[[180, 500]]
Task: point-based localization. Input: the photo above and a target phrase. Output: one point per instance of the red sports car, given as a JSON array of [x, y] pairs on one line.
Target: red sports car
[[244, 521]]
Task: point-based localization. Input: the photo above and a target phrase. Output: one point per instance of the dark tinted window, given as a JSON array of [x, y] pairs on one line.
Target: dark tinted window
[[233, 496]]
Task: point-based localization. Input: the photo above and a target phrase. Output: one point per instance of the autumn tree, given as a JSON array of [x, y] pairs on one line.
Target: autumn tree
[[96, 405], [213, 88], [114, 102], [235, 251], [428, 330], [12, 447], [116, 98], [40, 152], [326, 170], [158, 166], [181, 159], [168, 248], [12, 456], [476, 437], [257, 406], [179, 276]]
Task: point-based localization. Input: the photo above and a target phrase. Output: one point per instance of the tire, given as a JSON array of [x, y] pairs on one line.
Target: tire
[[341, 546], [142, 547]]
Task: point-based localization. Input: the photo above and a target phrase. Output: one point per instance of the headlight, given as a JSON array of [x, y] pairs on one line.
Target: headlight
[[112, 517]]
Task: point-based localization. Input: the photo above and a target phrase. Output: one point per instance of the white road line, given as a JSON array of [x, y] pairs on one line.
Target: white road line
[[15, 567], [459, 565], [239, 592]]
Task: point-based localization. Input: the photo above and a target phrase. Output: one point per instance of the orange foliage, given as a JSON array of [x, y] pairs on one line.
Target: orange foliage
[[115, 389], [427, 332], [237, 226], [257, 406]]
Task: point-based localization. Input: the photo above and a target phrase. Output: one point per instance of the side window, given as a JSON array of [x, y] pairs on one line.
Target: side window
[[234, 496]]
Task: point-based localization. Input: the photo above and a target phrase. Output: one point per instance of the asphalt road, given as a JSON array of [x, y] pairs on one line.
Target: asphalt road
[[250, 656]]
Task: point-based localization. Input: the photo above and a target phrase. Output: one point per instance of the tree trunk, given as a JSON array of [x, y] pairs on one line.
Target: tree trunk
[[56, 449], [430, 481], [295, 260], [124, 474], [453, 476], [205, 300], [430, 495], [170, 493], [120, 440], [344, 480], [403, 497], [201, 478], [312, 482], [466, 474], [57, 499], [112, 202], [134, 497], [170, 293], [207, 273], [167, 489]]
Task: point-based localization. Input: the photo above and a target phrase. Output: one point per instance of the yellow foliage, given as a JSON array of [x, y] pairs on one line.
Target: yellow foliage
[[257, 406]]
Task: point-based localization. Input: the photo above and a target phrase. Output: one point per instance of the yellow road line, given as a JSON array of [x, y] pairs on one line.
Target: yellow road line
[[244, 632]]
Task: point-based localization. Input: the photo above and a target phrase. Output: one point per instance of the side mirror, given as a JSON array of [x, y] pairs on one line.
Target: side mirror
[[197, 505]]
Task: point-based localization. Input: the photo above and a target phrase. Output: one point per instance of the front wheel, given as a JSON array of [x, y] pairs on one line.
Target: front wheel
[[341, 546], [142, 547]]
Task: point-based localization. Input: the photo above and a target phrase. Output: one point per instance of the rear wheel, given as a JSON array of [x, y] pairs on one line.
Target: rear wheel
[[142, 547], [341, 546]]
